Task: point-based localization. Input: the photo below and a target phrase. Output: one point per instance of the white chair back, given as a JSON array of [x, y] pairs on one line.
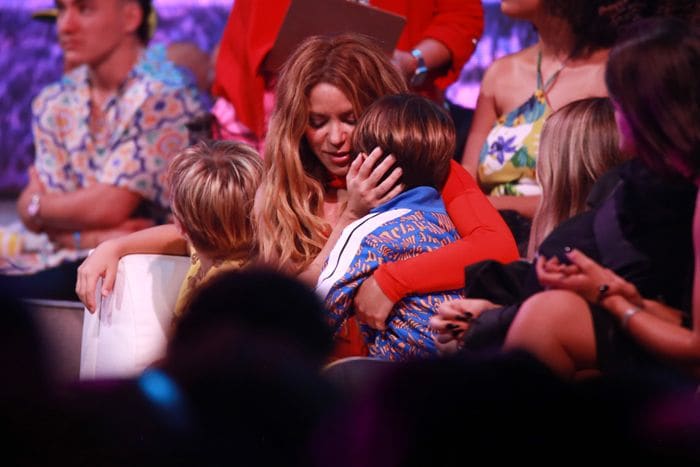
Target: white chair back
[[129, 329]]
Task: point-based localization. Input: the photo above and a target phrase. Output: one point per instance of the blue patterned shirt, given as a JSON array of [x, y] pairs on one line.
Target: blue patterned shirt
[[412, 223]]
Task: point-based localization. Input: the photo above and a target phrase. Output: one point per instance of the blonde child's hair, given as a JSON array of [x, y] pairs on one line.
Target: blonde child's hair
[[578, 143], [212, 190]]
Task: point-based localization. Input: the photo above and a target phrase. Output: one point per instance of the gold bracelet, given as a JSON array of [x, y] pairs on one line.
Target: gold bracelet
[[627, 316]]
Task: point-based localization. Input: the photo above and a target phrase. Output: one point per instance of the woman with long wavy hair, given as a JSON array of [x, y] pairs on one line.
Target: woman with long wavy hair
[[313, 186], [300, 198]]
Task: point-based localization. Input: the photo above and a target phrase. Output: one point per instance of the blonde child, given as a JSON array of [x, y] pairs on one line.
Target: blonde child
[[579, 143], [212, 188]]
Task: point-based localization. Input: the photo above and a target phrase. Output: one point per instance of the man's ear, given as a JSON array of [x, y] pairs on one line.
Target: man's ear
[[133, 15]]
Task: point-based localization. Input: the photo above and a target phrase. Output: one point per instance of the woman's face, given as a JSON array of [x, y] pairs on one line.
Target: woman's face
[[521, 9], [329, 128]]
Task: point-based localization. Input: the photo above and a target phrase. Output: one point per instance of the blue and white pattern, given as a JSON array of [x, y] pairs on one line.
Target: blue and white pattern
[[412, 223]]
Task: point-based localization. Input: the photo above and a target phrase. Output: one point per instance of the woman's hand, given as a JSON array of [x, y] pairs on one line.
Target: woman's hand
[[102, 262], [371, 305], [585, 277], [452, 321], [366, 190]]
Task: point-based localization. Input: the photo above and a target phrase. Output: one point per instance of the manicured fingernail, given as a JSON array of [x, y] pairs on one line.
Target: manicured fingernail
[[466, 316]]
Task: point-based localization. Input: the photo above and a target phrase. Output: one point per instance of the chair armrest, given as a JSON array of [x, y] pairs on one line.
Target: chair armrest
[[129, 330]]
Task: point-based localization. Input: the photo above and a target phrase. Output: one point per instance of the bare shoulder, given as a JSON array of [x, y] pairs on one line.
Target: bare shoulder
[[581, 79], [509, 69], [510, 80]]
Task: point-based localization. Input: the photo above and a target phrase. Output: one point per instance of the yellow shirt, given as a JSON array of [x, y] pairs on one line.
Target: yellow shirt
[[195, 278]]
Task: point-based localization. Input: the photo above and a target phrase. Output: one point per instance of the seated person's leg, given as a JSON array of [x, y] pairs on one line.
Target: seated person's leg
[[57, 283]]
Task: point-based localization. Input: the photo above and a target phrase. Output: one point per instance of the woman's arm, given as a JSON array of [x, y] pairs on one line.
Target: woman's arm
[[663, 337], [668, 339], [445, 31], [653, 325], [366, 190], [484, 118], [102, 262], [484, 235]]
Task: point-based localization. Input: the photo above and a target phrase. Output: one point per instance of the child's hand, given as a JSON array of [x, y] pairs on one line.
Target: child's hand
[[102, 262], [372, 306], [366, 190]]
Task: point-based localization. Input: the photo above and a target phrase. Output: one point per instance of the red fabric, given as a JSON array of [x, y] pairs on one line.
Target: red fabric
[[484, 235], [253, 25], [453, 22], [349, 342], [249, 35], [336, 182]]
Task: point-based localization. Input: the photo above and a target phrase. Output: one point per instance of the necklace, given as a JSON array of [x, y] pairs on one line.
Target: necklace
[[545, 87]]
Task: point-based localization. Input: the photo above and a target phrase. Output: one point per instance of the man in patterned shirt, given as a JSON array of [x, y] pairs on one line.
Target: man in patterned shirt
[[104, 132]]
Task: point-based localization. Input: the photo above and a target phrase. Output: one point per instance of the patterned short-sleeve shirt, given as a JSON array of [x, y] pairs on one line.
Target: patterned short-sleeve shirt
[[142, 126]]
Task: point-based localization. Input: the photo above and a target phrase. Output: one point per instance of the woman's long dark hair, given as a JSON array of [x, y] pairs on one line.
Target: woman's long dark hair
[[652, 76]]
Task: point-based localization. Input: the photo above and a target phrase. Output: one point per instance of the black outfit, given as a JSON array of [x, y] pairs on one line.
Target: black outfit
[[642, 231], [57, 283]]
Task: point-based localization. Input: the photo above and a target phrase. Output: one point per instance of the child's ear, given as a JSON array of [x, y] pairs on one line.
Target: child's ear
[[179, 228]]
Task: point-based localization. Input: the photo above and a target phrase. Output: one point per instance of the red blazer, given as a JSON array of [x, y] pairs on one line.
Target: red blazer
[[252, 27]]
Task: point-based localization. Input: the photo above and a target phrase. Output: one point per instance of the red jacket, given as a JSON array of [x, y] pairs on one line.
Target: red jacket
[[253, 25]]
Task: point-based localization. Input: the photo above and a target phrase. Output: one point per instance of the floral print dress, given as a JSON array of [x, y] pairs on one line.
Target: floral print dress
[[508, 158]]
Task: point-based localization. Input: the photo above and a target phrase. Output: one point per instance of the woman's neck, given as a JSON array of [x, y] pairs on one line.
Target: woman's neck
[[556, 40], [333, 204]]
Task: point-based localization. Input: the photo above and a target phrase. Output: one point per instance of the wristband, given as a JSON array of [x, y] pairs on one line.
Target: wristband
[[421, 72]]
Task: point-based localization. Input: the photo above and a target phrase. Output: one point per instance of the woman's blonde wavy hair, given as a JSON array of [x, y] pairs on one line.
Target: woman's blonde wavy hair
[[289, 205], [212, 190], [578, 143]]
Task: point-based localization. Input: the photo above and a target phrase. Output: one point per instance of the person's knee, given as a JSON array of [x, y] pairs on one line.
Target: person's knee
[[557, 328], [545, 315]]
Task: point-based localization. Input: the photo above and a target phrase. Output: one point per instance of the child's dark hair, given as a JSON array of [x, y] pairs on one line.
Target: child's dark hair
[[419, 134]]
